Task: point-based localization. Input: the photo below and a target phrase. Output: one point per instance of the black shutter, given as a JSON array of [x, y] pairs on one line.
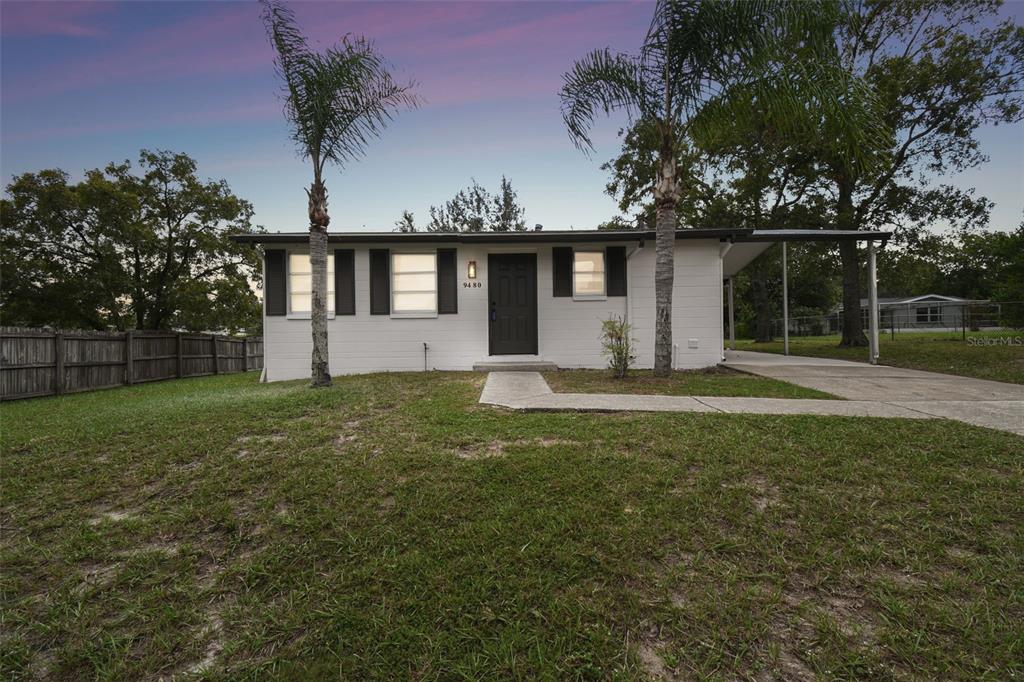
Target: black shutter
[[615, 270], [275, 288], [561, 268], [344, 282], [380, 282], [447, 282]]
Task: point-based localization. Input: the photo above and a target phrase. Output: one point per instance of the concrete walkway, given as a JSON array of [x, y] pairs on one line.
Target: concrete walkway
[[529, 391], [993, 404]]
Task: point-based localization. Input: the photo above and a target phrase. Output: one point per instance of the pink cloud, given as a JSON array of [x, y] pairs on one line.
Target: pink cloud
[[27, 19], [568, 26], [435, 42]]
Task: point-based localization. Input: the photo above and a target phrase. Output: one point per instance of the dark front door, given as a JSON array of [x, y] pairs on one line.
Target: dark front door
[[512, 312]]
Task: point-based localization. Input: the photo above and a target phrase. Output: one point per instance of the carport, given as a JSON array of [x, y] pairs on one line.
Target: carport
[[743, 249]]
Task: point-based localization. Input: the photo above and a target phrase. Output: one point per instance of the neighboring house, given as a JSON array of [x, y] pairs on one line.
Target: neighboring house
[[929, 311], [452, 301]]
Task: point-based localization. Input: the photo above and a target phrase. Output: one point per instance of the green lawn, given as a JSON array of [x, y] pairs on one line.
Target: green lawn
[[716, 381], [390, 528], [930, 351]]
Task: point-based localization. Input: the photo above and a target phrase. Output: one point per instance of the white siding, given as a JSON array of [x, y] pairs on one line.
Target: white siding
[[568, 330], [696, 304]]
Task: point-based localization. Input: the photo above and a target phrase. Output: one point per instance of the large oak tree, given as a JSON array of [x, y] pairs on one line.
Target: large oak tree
[[942, 69], [127, 248]]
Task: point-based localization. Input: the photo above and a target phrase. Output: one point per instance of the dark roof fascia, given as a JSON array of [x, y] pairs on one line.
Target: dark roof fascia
[[563, 236], [815, 236], [488, 237]]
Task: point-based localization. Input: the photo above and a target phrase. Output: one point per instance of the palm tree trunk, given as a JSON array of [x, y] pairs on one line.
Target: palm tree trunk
[[664, 278], [318, 221]]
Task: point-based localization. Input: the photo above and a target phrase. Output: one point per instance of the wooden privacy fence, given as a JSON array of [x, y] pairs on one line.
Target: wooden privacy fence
[[38, 362]]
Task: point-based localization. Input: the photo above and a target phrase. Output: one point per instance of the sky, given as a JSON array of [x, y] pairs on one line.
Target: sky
[[86, 83]]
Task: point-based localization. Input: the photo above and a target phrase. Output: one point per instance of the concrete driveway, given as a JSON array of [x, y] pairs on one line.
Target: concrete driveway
[[992, 404]]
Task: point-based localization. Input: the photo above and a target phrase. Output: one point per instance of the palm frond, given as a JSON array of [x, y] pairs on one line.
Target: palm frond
[[604, 82], [291, 60], [336, 100]]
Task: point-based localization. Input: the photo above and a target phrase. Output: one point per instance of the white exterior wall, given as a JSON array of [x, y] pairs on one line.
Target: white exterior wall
[[696, 304], [568, 330]]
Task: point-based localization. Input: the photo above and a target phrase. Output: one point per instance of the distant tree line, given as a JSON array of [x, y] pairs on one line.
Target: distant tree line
[[472, 209]]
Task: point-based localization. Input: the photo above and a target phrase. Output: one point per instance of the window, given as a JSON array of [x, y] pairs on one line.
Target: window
[[300, 284], [588, 273], [929, 315], [414, 283]]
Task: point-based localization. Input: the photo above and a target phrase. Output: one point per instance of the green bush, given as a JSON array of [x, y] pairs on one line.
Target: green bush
[[617, 345]]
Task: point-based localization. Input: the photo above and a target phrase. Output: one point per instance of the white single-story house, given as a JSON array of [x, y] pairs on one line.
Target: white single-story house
[[455, 301]]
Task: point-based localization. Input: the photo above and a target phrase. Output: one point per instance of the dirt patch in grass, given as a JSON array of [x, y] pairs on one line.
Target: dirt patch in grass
[[164, 547], [213, 633], [651, 662], [765, 493], [853, 617], [344, 439], [961, 553], [497, 448], [805, 616], [114, 516], [96, 576], [899, 577], [262, 438], [482, 451], [385, 504]]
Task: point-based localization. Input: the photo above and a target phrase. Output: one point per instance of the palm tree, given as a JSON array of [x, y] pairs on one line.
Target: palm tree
[[335, 101], [705, 64]]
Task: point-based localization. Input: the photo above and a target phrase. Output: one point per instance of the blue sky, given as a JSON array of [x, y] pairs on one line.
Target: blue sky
[[87, 83]]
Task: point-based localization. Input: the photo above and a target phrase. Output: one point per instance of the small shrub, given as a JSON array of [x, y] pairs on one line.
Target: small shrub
[[617, 345]]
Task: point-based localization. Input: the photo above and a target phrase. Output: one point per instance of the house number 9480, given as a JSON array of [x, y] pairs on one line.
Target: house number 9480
[[472, 285]]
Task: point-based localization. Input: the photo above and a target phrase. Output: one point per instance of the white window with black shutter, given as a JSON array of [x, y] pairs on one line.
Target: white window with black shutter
[[588, 273], [413, 283], [300, 285]]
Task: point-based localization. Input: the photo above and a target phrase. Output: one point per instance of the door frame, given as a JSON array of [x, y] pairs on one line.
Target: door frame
[[491, 256]]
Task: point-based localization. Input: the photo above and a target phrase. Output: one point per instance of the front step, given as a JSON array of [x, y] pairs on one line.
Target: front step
[[515, 366]]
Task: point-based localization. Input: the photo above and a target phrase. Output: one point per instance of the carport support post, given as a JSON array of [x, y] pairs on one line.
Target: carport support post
[[872, 304], [785, 302], [732, 320]]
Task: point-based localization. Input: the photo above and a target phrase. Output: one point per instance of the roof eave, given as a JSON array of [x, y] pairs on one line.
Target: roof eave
[[816, 235], [564, 236], [490, 237]]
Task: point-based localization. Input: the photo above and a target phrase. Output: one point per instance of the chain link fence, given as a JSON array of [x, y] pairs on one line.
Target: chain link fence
[[924, 316]]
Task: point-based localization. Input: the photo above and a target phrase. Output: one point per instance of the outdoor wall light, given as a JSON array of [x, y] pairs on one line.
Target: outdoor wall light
[[471, 270]]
